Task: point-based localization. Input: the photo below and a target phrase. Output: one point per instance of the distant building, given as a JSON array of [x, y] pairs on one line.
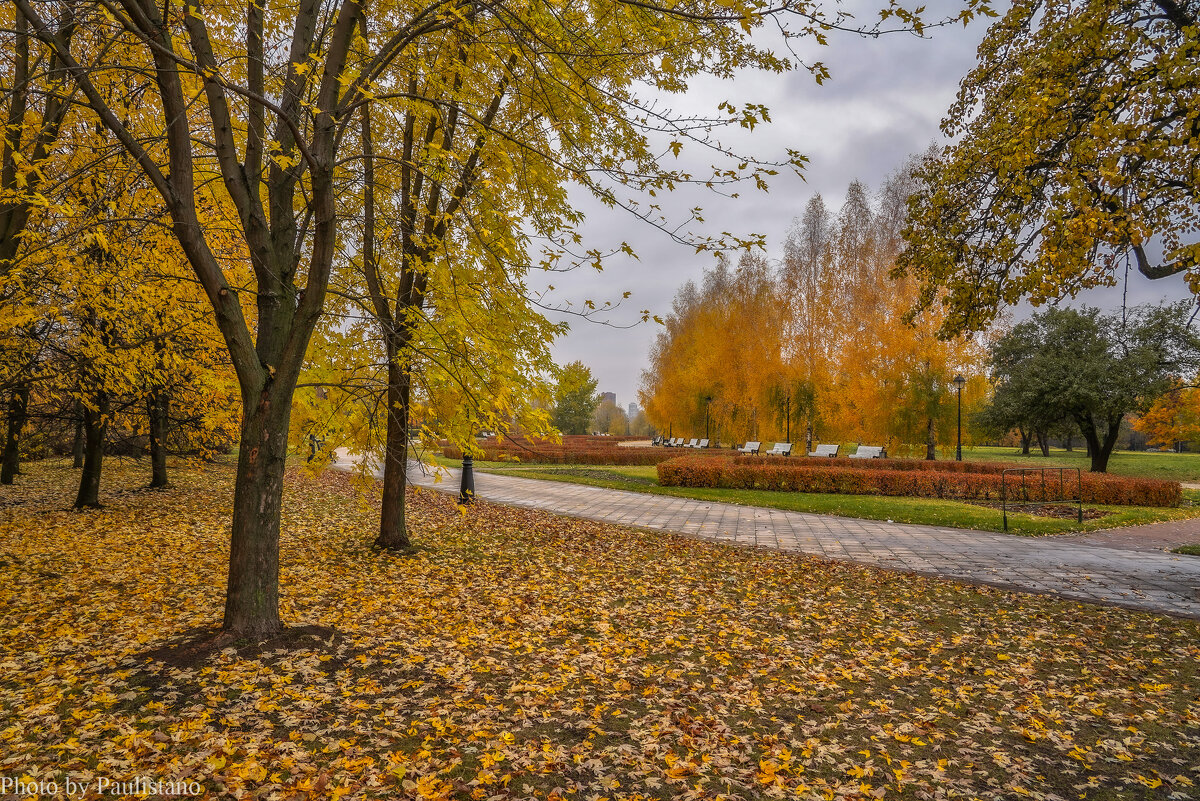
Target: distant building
[[612, 396], [633, 410]]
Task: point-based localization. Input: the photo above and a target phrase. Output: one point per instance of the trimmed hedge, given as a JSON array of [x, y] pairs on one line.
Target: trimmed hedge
[[828, 475]]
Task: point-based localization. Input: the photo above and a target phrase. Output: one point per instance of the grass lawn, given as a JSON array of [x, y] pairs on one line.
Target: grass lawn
[[516, 654], [927, 511], [1173, 466]]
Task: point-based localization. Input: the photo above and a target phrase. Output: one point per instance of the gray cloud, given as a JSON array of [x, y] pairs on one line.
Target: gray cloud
[[885, 101]]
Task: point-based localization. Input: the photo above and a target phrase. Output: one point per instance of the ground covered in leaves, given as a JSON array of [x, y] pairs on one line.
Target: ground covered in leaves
[[517, 654]]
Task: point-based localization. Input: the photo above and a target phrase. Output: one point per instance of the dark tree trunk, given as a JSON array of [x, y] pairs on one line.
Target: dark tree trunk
[[930, 441], [1100, 448], [393, 530], [1043, 443], [157, 410], [1067, 443], [77, 445], [252, 592], [1025, 438], [95, 429], [18, 413]]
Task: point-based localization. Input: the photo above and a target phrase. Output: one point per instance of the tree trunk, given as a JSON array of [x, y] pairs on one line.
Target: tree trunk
[[1024, 441], [157, 410], [1100, 449], [1043, 442], [393, 531], [252, 593], [930, 441], [95, 429], [77, 445], [1067, 443], [18, 409]]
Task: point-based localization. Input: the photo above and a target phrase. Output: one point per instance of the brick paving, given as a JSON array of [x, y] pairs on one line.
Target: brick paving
[[1084, 568]]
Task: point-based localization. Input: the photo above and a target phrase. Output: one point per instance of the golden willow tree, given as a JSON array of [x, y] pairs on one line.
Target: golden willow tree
[[261, 102], [1075, 150], [819, 349]]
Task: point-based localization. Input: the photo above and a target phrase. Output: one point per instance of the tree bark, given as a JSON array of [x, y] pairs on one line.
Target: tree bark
[[1025, 438], [157, 410], [95, 430], [393, 530], [1067, 443], [930, 440], [252, 591], [77, 445], [1100, 449], [1043, 442], [18, 414]]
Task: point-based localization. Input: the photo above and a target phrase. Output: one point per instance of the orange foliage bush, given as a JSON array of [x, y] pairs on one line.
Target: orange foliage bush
[[895, 478]]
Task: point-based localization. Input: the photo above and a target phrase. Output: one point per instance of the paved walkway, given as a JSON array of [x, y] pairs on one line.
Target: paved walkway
[[1070, 567]]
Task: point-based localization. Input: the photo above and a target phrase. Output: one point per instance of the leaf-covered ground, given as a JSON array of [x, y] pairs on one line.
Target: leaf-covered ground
[[521, 655]]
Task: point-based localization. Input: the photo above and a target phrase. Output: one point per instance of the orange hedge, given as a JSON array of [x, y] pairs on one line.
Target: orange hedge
[[828, 475]]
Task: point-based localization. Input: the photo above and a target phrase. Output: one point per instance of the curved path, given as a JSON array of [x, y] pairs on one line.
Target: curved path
[[1070, 567]]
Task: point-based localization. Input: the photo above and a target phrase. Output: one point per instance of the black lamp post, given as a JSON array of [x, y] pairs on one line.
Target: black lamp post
[[959, 381], [707, 406], [466, 486]]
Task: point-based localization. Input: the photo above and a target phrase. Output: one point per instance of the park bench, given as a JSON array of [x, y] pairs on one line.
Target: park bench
[[750, 447], [702, 444], [869, 452], [693, 443], [781, 449], [826, 450]]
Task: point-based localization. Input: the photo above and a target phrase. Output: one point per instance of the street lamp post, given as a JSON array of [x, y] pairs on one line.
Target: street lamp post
[[466, 485], [707, 406], [959, 381]]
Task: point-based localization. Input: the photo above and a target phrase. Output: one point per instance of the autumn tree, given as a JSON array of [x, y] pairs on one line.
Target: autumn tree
[[575, 399], [809, 282], [1074, 149], [719, 358], [1172, 418], [823, 345], [35, 101]]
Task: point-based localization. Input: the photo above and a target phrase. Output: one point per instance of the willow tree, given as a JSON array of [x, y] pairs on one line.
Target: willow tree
[[1076, 147], [261, 100]]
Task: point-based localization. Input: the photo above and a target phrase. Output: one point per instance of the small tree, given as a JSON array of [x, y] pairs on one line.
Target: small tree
[[575, 399], [609, 418]]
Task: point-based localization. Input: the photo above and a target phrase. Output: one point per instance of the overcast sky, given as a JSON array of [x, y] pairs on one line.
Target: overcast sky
[[884, 102]]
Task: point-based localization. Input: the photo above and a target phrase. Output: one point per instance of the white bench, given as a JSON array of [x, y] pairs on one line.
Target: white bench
[[695, 443], [826, 450], [750, 447], [781, 449], [869, 452]]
